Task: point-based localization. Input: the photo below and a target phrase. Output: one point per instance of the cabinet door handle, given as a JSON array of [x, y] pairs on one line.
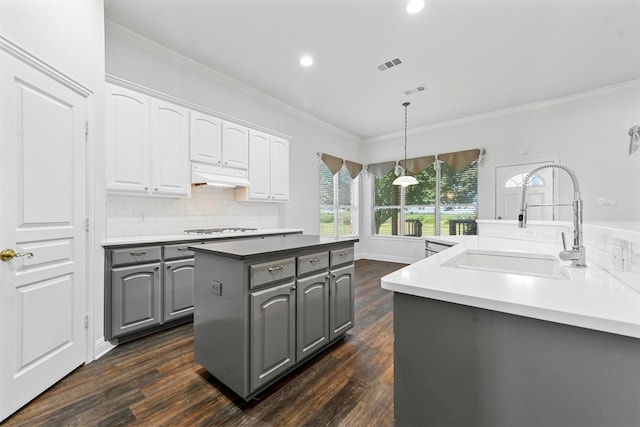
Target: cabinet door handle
[[276, 268], [156, 268], [314, 260], [138, 253], [293, 288], [168, 267]]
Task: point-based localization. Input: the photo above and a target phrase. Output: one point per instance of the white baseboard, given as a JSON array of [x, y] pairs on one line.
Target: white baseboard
[[101, 347]]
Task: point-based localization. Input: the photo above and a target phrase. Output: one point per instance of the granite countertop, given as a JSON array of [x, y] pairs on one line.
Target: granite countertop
[[186, 237], [250, 248], [590, 298]]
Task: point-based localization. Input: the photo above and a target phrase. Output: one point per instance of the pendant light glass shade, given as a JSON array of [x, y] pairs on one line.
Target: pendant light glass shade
[[404, 180]]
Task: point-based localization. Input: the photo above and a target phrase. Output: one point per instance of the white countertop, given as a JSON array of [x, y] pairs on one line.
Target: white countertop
[[186, 237], [592, 298]]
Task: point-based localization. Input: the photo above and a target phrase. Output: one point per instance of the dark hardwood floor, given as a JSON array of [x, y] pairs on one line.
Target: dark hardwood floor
[[154, 381]]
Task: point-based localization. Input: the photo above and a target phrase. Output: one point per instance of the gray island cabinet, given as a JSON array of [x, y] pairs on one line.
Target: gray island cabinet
[[263, 306]]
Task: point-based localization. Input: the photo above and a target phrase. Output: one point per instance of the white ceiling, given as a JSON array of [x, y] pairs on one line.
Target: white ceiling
[[474, 56]]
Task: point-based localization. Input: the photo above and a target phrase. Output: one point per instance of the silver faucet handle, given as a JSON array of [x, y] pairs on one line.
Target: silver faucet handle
[[564, 241]]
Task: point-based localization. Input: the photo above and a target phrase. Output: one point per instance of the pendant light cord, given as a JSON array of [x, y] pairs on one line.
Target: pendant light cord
[[406, 104]]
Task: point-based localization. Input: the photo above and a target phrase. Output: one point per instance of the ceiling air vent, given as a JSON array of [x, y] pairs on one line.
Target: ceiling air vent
[[415, 90], [388, 64]]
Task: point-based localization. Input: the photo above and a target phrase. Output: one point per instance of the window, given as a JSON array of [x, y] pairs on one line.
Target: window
[[338, 203], [517, 180], [417, 211]]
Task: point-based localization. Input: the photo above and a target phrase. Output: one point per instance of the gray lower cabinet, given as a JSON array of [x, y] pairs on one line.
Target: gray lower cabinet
[[149, 286], [177, 285], [313, 314], [273, 326], [135, 303], [342, 300]]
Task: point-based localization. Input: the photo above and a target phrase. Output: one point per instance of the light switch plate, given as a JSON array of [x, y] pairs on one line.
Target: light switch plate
[[617, 261]]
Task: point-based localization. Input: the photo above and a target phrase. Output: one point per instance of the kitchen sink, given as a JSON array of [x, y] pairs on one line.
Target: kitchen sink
[[521, 263]]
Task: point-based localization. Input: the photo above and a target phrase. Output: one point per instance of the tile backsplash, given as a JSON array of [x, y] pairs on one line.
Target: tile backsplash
[[615, 247], [130, 215]]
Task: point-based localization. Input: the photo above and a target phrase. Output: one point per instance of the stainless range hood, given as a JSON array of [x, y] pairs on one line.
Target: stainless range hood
[[218, 176]]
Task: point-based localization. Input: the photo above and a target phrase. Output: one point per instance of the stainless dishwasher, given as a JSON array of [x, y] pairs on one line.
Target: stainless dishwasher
[[432, 248]]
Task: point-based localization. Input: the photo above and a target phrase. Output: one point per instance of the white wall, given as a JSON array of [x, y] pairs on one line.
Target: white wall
[[136, 60], [68, 35], [586, 132]]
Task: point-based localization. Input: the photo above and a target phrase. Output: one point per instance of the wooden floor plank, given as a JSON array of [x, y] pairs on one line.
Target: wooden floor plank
[[154, 381]]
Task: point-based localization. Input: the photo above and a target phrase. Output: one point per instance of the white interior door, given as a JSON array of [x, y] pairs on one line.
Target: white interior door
[[42, 191], [509, 191]]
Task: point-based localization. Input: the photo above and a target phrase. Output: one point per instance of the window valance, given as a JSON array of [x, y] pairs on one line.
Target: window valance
[[417, 164], [380, 169], [460, 159], [353, 168], [335, 164]]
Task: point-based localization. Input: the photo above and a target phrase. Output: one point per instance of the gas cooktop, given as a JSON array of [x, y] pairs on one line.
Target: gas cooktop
[[220, 230]]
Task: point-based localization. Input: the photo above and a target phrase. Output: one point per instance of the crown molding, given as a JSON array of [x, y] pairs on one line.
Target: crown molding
[[19, 53], [116, 30], [511, 110]]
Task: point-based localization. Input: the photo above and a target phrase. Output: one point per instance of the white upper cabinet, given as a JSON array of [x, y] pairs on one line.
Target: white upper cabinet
[[268, 168], [170, 169], [260, 167], [279, 169], [127, 134], [235, 146], [206, 139], [147, 144]]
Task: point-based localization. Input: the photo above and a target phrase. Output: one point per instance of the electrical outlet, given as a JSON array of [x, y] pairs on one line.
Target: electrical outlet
[[606, 201], [617, 261]]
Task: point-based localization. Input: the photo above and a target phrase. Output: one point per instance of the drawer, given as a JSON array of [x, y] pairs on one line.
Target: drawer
[[313, 262], [179, 251], [135, 255], [341, 256], [261, 274]]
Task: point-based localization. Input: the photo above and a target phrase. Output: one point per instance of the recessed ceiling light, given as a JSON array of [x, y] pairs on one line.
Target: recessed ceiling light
[[415, 6], [306, 61]]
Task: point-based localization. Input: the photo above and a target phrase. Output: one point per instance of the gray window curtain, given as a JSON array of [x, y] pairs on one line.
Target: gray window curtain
[[380, 169]]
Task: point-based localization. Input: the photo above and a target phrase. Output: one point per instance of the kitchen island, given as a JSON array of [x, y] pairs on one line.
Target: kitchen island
[[264, 306], [484, 347]]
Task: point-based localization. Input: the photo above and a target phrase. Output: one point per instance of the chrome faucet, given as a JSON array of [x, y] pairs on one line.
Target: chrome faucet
[[577, 254]]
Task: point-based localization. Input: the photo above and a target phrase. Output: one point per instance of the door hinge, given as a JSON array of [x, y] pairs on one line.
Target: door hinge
[[86, 131], [86, 224], [86, 321]]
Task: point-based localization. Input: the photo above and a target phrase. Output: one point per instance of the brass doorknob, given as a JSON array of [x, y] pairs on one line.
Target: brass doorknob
[[9, 254]]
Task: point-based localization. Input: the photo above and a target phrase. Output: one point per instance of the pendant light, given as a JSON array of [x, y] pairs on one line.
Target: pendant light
[[405, 180]]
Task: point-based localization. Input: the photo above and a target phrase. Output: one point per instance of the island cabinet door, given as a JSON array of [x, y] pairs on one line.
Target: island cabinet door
[[273, 349], [341, 301], [313, 314]]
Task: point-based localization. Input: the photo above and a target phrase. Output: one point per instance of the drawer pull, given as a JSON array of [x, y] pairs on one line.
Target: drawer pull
[[276, 268], [342, 253], [138, 253], [183, 249], [314, 260]]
